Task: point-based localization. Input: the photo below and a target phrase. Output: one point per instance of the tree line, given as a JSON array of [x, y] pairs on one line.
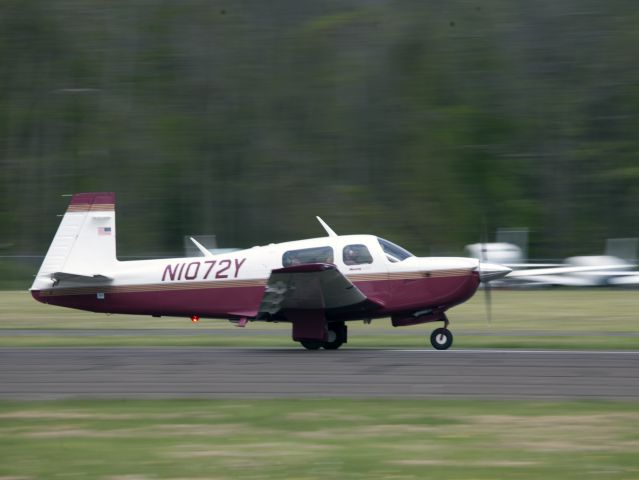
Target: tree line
[[416, 120]]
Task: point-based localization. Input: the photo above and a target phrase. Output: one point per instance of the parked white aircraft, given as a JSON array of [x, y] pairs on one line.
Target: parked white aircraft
[[578, 271], [585, 271], [503, 253]]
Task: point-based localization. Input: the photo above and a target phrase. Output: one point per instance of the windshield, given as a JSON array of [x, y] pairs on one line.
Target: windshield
[[393, 252]]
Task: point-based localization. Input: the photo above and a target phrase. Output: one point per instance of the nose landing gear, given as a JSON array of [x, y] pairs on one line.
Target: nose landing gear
[[441, 338]]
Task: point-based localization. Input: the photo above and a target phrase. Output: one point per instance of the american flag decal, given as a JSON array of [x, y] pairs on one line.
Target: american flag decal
[[104, 231]]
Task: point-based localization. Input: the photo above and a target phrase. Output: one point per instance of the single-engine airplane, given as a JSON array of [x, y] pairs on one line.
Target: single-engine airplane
[[317, 284]]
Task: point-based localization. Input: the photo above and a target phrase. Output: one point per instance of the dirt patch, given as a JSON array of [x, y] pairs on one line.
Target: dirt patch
[[151, 431], [44, 415], [127, 477], [326, 416], [254, 450], [546, 433], [463, 463]]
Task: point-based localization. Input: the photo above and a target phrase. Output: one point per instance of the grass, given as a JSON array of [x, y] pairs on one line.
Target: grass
[[586, 318], [313, 439], [308, 439]]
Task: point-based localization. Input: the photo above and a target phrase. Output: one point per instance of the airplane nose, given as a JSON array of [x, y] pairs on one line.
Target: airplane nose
[[492, 271]]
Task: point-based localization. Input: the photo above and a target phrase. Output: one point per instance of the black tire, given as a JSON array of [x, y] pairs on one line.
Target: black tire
[[334, 341], [441, 339], [336, 336], [311, 344]]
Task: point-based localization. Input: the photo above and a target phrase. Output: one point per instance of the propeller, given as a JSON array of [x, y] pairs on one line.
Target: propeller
[[487, 272], [482, 260]]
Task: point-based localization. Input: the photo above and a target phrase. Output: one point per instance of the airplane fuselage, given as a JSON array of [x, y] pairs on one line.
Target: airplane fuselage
[[232, 285]]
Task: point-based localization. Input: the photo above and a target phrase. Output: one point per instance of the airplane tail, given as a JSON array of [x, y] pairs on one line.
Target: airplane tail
[[84, 245]]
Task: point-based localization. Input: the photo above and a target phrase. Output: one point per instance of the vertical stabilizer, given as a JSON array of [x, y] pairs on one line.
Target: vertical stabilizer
[[85, 241]]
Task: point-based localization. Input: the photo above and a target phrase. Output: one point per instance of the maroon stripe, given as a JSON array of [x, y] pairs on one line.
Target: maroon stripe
[[90, 198], [211, 303], [152, 287], [397, 296]]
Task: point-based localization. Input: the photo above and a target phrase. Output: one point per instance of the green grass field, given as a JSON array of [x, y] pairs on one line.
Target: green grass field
[[337, 439], [311, 439], [586, 318]]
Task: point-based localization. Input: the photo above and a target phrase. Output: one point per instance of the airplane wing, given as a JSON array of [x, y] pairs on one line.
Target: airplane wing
[[561, 275], [561, 280], [561, 270], [632, 278], [315, 286], [516, 266]]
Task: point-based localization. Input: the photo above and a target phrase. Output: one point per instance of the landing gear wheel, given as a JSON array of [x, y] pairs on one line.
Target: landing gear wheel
[[311, 344], [441, 339], [334, 339]]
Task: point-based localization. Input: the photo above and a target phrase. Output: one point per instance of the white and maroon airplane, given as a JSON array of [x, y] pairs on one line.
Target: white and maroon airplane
[[316, 284]]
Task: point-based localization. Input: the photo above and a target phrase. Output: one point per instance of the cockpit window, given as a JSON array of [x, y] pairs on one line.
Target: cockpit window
[[394, 253], [308, 255], [356, 255]]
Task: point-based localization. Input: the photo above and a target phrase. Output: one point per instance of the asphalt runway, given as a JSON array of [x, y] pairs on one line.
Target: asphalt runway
[[154, 373], [233, 332]]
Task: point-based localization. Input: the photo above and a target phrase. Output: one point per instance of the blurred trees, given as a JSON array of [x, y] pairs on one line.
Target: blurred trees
[[411, 119]]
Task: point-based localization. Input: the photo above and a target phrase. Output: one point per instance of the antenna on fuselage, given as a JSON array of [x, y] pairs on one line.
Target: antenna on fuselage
[[328, 229], [201, 248]]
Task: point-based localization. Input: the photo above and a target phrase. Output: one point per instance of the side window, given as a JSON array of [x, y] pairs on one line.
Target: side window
[[356, 255], [307, 255]]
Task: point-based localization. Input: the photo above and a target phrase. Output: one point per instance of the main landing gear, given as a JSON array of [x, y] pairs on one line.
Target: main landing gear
[[336, 335]]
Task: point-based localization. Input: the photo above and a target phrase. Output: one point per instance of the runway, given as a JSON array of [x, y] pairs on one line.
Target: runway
[[153, 373]]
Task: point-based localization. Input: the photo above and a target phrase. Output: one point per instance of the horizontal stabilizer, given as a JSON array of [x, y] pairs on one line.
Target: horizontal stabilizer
[[79, 278]]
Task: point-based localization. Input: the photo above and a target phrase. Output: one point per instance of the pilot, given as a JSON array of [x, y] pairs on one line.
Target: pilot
[[294, 260], [350, 256]]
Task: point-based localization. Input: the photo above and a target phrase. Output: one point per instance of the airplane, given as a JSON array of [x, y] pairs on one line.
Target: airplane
[[584, 271], [316, 285], [503, 253]]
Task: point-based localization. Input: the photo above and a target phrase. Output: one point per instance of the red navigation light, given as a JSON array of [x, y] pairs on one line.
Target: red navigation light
[[195, 318]]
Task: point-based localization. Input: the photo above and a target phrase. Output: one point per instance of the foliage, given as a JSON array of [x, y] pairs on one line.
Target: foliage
[[412, 119]]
